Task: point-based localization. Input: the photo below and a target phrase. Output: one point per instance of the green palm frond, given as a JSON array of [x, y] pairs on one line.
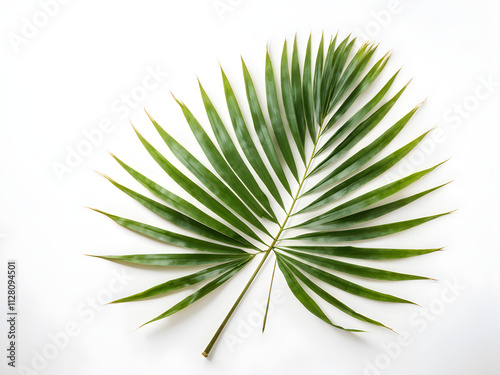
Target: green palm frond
[[304, 159]]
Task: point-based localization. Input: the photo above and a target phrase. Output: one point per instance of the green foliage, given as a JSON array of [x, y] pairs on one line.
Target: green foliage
[[243, 209]]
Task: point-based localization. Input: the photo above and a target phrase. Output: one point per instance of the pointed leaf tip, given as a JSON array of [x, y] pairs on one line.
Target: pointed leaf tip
[[102, 174], [422, 102], [409, 81], [397, 333], [142, 325], [177, 100], [136, 131]]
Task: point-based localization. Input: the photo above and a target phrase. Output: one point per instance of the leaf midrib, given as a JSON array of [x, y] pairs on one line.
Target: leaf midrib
[[297, 194]]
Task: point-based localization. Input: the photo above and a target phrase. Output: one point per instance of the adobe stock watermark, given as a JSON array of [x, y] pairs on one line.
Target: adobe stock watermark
[[421, 320], [380, 19], [252, 323], [222, 7], [32, 25], [86, 312], [453, 118], [121, 107]]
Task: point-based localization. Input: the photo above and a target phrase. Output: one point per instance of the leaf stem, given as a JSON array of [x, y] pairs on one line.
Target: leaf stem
[[212, 342], [236, 303], [268, 298]]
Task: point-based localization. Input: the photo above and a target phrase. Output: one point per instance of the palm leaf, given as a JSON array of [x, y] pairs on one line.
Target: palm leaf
[[276, 119], [239, 206], [182, 282], [304, 298], [327, 296], [295, 123], [246, 143], [343, 284], [262, 130], [186, 208]]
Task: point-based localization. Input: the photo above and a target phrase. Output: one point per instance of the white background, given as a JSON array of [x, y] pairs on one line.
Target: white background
[[66, 77]]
